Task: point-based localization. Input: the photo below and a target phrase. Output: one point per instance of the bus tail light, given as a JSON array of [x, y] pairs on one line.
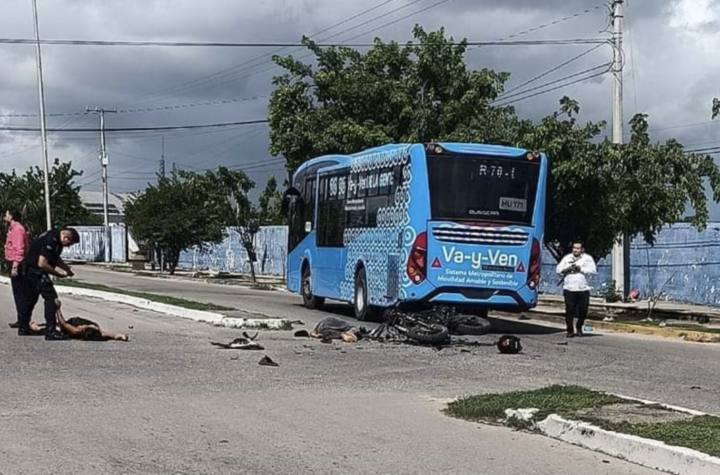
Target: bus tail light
[[417, 262], [535, 265]]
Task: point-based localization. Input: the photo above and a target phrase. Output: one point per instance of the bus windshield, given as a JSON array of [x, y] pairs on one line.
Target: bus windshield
[[483, 188]]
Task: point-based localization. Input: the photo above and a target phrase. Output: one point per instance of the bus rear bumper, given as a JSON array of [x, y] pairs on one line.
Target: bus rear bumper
[[506, 300]]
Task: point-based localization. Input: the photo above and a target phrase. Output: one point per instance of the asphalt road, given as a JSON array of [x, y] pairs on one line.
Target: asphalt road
[[646, 367], [168, 402]]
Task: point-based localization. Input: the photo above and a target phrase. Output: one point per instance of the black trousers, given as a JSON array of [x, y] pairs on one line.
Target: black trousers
[[16, 283], [577, 305], [33, 287]]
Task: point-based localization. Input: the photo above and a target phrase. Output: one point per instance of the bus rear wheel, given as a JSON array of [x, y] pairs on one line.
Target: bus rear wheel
[[363, 311], [309, 300]]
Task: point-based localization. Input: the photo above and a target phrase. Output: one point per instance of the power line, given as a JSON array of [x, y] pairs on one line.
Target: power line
[[225, 71], [706, 150], [553, 23], [274, 66], [228, 73], [552, 70], [514, 101], [300, 45], [367, 22], [152, 109], [139, 129], [589, 70]]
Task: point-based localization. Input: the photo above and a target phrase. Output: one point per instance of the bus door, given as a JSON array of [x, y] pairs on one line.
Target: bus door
[[331, 252]]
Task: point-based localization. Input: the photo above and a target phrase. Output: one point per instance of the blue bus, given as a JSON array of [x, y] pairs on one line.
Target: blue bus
[[420, 225]]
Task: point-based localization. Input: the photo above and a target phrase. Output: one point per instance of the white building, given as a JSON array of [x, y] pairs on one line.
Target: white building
[[93, 202]]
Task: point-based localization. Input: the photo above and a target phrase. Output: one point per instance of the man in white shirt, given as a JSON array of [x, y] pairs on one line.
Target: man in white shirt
[[575, 269]]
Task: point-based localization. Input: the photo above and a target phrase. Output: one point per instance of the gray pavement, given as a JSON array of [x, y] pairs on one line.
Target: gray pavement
[[647, 367], [168, 402]]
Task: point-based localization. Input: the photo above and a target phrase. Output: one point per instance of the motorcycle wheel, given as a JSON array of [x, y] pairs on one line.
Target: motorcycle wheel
[[429, 334], [470, 325]]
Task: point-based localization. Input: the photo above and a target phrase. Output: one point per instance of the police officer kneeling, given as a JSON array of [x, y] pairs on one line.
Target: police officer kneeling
[[42, 261]]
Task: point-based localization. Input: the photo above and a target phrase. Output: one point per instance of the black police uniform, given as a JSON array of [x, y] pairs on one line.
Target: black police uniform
[[36, 282]]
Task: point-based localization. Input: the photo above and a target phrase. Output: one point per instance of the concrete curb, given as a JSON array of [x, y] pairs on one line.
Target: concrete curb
[[202, 316], [255, 323], [666, 332], [648, 453]]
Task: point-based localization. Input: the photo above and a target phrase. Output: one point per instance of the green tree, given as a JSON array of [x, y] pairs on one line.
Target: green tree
[[239, 212], [598, 190], [270, 204], [395, 93], [716, 108], [26, 192], [580, 184], [180, 212]]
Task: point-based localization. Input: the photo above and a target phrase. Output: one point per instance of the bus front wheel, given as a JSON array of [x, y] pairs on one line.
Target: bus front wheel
[[309, 300], [363, 310]]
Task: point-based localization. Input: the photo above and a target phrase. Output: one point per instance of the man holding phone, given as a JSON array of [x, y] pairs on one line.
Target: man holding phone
[[575, 269]]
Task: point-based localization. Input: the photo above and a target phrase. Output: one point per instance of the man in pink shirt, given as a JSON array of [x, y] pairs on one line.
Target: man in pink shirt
[[16, 247]]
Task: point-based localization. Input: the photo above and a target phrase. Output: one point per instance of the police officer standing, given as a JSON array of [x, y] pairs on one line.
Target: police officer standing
[[42, 261]]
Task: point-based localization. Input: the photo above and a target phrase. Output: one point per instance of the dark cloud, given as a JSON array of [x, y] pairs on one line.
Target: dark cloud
[[671, 64]]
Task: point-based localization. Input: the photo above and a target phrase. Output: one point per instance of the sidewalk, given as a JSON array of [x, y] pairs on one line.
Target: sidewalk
[[669, 319], [663, 309], [220, 278]]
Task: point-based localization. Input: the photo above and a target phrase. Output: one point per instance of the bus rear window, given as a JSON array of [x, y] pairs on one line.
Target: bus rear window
[[482, 188]]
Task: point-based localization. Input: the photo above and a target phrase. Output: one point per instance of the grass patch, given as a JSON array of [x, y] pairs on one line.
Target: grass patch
[[701, 433], [551, 400], [189, 304]]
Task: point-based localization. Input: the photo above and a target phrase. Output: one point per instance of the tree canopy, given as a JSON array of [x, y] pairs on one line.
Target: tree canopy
[[189, 209], [26, 193], [346, 101]]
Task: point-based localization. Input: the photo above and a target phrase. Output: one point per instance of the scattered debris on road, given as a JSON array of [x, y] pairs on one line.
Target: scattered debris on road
[[246, 342], [509, 345], [267, 361]]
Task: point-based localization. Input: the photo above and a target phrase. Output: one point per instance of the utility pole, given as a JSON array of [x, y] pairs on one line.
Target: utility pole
[[43, 124], [621, 250], [104, 163], [162, 159]]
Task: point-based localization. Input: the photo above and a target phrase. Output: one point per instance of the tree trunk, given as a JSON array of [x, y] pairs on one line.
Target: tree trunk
[[173, 258], [252, 272]]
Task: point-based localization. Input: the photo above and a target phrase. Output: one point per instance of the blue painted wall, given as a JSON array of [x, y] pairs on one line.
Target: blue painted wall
[[229, 255], [91, 247], [686, 262]]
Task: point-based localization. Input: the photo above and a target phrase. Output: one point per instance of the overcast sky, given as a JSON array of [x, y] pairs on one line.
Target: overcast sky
[[671, 71]]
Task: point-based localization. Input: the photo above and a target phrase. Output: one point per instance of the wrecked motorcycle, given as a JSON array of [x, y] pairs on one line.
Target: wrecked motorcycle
[[431, 326], [411, 326]]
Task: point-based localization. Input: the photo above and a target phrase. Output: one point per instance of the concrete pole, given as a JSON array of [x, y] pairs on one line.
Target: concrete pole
[[621, 250], [43, 125]]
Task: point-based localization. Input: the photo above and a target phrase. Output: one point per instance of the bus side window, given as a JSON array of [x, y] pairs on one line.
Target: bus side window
[[296, 222], [309, 204], [331, 211]]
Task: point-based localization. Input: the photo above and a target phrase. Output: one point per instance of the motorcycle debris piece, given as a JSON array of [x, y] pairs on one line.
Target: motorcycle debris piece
[[246, 342], [267, 361]]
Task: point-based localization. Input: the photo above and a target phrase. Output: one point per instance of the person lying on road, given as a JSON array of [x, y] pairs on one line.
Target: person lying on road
[[79, 328]]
